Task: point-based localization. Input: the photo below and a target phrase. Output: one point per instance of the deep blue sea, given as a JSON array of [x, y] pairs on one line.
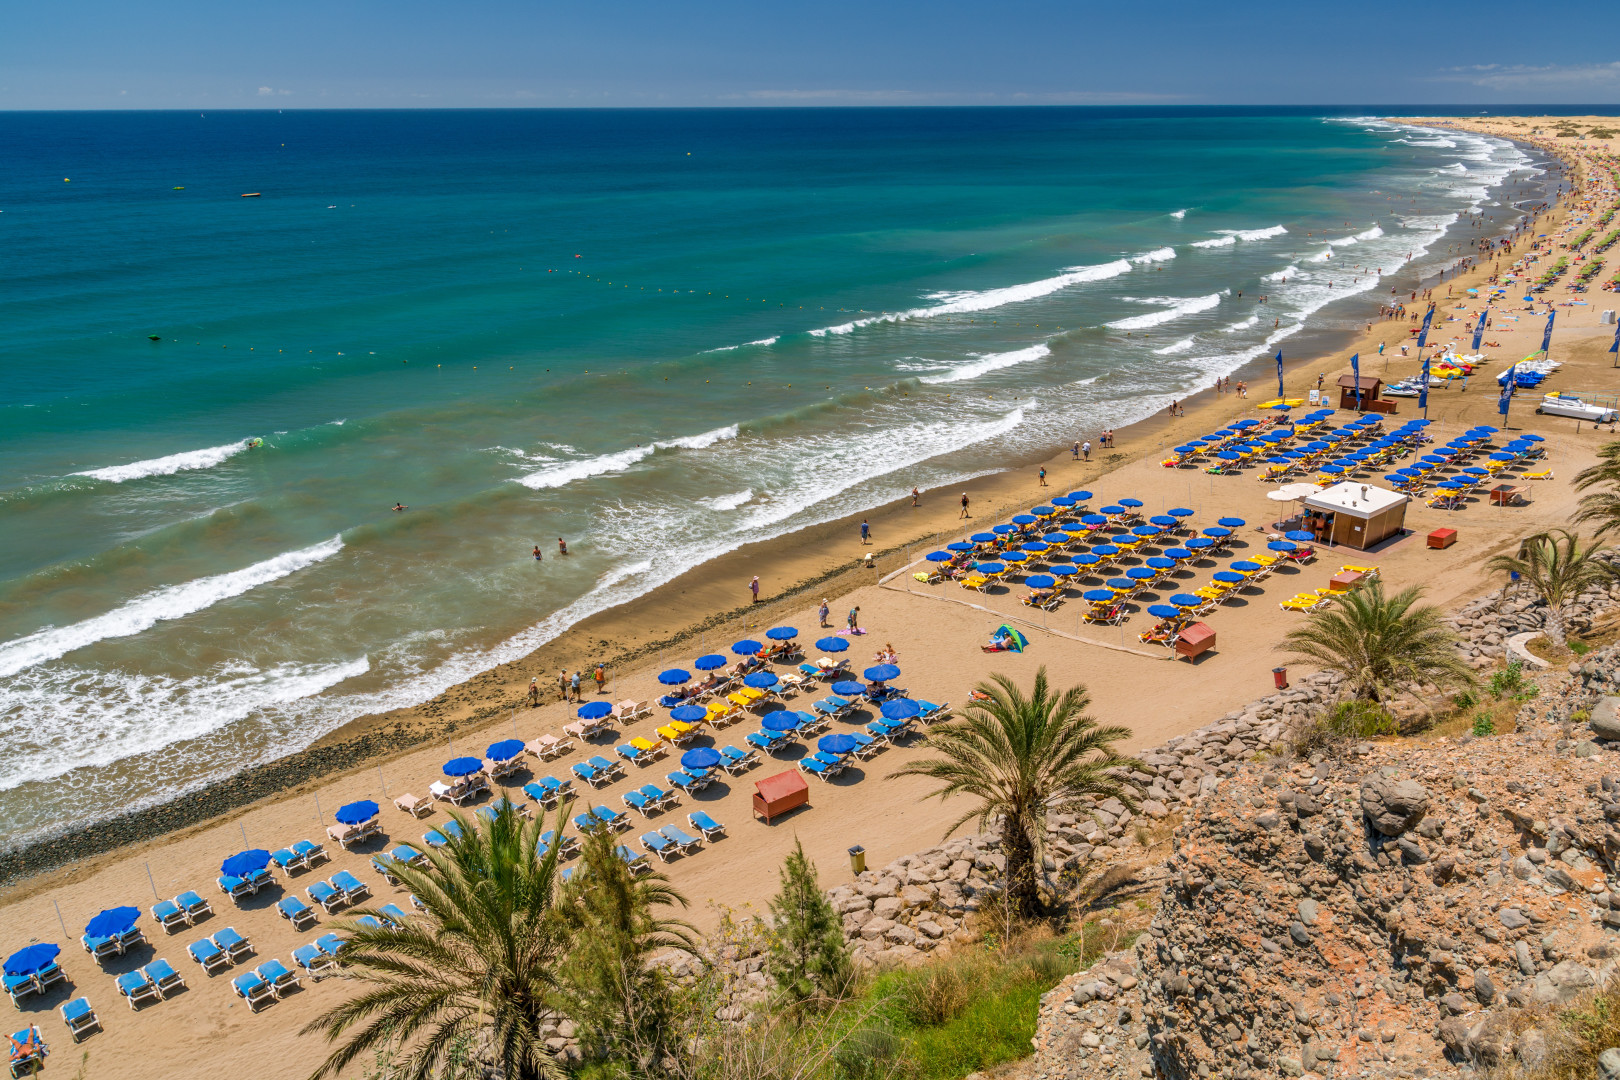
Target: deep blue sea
[[660, 334]]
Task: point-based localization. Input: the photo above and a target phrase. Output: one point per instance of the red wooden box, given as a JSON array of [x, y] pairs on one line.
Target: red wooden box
[[1442, 538], [776, 795], [1194, 639]]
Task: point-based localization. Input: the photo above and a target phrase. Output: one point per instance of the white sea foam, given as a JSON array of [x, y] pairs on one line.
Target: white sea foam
[[159, 605], [988, 362], [1321, 256], [1370, 234], [556, 476], [1178, 213], [1176, 347], [1282, 275], [727, 502], [1156, 255], [79, 718], [1228, 237], [1454, 167], [1178, 308], [1243, 325], [167, 466], [1261, 234], [1220, 241], [761, 342]]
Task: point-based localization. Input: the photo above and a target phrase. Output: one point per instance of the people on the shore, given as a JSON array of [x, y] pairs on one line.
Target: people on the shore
[[866, 532], [534, 691], [562, 685], [753, 587], [823, 611], [1085, 448], [1040, 477], [854, 618], [601, 679], [965, 505], [573, 684], [562, 546], [915, 496]]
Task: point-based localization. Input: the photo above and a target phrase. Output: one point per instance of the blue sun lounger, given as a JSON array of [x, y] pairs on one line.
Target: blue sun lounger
[[330, 944], [287, 860], [656, 844], [763, 740], [235, 945], [663, 798], [613, 819], [194, 906], [210, 956], [638, 863], [310, 852], [353, 888], [681, 839], [311, 959], [80, 1018], [735, 761], [296, 912], [164, 977], [252, 989], [169, 915], [323, 894], [136, 988], [395, 915], [276, 974], [635, 800], [548, 790], [703, 823], [28, 1051]]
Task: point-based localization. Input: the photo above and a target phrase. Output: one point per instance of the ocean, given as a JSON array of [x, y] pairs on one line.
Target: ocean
[[658, 334]]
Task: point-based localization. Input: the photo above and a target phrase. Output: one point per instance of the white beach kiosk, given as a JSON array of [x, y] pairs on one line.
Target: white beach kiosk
[[1354, 514]]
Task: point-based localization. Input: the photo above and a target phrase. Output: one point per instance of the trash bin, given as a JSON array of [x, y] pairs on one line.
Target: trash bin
[[1279, 675], [857, 859]]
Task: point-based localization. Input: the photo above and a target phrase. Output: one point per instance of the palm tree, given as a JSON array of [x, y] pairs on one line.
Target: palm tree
[[1379, 643], [1020, 758], [620, 1001], [484, 953], [1602, 507], [1557, 569]]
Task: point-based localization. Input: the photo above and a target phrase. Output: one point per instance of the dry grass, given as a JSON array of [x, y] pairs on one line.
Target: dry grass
[[1573, 1036]]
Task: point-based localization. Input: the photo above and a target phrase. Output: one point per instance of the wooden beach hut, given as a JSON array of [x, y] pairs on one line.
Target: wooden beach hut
[[1354, 514]]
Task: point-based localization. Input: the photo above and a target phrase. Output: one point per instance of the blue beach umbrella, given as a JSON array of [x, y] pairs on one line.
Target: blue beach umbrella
[[1454, 485], [781, 720], [1178, 553], [1199, 543], [1229, 455], [1120, 584], [1040, 581], [788, 633], [1140, 573], [761, 680], [1232, 522], [983, 538], [1145, 530], [1064, 569], [1229, 577], [674, 676], [848, 688], [746, 647], [1533, 438], [462, 766], [1179, 512], [1035, 547], [1283, 545], [1016, 558], [1024, 519], [1093, 519], [1003, 529], [1185, 600], [1502, 457], [937, 556], [703, 757], [1097, 596], [1163, 611], [1062, 500], [960, 546], [1299, 534], [1113, 509], [1164, 521], [1186, 448], [1394, 479], [1244, 566], [120, 920], [881, 673], [1332, 469], [241, 864], [990, 567], [709, 662], [1086, 558], [1056, 538], [689, 714], [594, 710], [1246, 422], [900, 709], [1132, 503], [1122, 539], [837, 743], [32, 958], [356, 812], [1475, 470], [1080, 496], [1160, 562], [1104, 549]]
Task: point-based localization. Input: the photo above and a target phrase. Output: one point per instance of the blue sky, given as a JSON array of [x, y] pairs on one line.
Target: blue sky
[[97, 54]]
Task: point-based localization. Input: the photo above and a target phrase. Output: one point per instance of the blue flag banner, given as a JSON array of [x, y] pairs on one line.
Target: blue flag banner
[[1279, 373], [1355, 372], [1546, 336], [1423, 387], [1614, 346], [1510, 383], [1423, 335], [1479, 328]]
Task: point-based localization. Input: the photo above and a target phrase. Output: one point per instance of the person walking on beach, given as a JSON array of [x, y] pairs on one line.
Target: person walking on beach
[[601, 679], [854, 618], [1040, 477], [965, 505], [573, 685], [915, 495], [1085, 448], [753, 587], [534, 692], [562, 685], [1076, 451], [866, 532], [823, 611]]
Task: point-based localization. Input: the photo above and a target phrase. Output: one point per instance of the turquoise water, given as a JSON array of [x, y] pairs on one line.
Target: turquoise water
[[659, 334]]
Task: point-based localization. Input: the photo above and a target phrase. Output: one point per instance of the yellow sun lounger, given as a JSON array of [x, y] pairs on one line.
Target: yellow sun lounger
[[1303, 602], [1544, 474]]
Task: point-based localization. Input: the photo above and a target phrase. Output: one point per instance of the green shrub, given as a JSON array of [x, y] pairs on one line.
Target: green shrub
[[1465, 699], [1579, 648], [1484, 724], [1508, 682], [1360, 720]]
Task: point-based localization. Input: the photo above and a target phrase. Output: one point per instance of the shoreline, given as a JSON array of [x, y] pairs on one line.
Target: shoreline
[[824, 560]]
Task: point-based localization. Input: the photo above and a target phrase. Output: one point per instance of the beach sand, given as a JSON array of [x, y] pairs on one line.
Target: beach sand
[[937, 631]]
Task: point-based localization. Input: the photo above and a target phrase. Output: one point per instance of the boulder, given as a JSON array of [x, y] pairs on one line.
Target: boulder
[[1605, 721], [1393, 806]]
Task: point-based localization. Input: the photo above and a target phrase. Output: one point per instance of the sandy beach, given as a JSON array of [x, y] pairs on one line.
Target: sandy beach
[[937, 631]]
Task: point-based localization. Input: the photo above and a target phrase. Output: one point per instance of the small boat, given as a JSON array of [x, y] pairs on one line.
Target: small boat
[[251, 195]]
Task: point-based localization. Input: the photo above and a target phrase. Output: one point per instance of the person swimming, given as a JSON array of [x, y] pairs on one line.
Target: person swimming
[[400, 506]]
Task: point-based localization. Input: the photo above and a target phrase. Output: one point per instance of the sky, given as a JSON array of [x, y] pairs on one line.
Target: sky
[[110, 54]]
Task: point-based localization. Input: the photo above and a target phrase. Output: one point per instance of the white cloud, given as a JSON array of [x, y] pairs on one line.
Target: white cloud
[[265, 91], [1513, 76]]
